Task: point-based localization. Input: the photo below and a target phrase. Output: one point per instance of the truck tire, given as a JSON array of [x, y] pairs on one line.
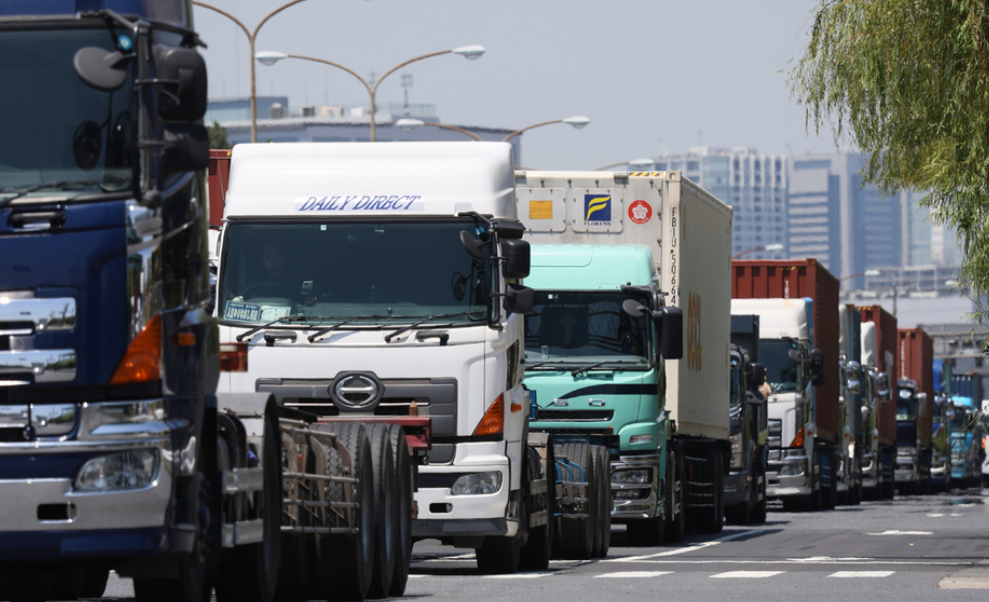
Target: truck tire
[[676, 519], [385, 511], [715, 519], [346, 561], [36, 587], [576, 536], [829, 494], [757, 512], [68, 583], [196, 571], [536, 553], [403, 499], [251, 574], [601, 467], [95, 584]]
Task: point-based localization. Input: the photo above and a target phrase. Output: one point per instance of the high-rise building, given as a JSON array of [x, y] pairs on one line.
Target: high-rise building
[[755, 185]]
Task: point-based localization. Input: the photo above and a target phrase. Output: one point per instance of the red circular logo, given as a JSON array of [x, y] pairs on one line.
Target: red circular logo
[[639, 212]]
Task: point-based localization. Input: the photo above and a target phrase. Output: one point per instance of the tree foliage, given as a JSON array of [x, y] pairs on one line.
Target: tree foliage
[[218, 136], [908, 82]]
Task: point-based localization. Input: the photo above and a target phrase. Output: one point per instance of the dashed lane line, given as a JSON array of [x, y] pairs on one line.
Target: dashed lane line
[[894, 532], [747, 574], [863, 574], [686, 549], [518, 576], [633, 574]]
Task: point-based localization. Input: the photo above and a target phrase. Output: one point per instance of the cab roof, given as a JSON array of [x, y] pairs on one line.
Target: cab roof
[[590, 267], [393, 179]]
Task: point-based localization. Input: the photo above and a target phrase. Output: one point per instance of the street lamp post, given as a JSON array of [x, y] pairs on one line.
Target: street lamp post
[[410, 124], [577, 122], [251, 36], [770, 247], [270, 58]]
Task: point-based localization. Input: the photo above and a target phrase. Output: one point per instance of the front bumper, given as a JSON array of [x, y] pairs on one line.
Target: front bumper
[[788, 474], [738, 488], [442, 514], [635, 500]]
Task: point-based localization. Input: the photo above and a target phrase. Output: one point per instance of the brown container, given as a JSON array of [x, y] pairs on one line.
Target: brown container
[[917, 364], [217, 175], [889, 352], [795, 279]]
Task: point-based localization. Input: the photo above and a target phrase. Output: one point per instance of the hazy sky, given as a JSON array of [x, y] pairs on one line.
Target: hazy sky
[[652, 75]]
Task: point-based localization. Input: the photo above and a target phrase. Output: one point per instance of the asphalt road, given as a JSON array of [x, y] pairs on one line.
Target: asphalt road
[[919, 548]]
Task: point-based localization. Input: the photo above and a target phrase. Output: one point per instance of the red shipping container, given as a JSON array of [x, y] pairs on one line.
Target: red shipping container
[[795, 279], [889, 352], [218, 173], [917, 364]]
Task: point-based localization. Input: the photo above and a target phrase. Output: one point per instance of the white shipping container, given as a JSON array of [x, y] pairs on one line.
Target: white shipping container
[[689, 231]]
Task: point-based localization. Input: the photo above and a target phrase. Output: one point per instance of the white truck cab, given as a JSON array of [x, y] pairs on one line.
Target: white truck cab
[[381, 279]]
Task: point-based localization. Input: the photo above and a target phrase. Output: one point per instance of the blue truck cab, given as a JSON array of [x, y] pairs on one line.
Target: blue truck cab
[[108, 356], [967, 453]]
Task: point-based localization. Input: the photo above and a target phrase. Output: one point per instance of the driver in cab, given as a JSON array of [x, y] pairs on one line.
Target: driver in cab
[[270, 277]]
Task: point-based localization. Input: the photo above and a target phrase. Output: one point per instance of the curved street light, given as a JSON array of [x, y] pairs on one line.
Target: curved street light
[[577, 122], [251, 36], [270, 58], [410, 124], [770, 247], [644, 164]]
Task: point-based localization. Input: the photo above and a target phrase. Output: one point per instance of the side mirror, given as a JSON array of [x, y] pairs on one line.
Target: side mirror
[[756, 375], [882, 387], [186, 147], [633, 308], [795, 356], [101, 69], [471, 243], [519, 299], [184, 97], [671, 332], [517, 258], [816, 360], [510, 229], [817, 379], [921, 404]]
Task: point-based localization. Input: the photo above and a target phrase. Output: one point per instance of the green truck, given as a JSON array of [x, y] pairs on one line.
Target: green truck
[[603, 359]]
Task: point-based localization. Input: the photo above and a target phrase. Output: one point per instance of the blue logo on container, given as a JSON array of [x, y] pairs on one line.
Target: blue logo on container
[[597, 209]]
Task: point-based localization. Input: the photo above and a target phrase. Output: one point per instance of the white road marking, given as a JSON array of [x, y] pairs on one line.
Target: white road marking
[[685, 549], [806, 561], [894, 532], [746, 574], [518, 576], [935, 515], [963, 583], [633, 574], [853, 574]]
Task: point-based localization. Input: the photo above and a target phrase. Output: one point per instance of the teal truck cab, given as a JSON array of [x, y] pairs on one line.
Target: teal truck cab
[[595, 346]]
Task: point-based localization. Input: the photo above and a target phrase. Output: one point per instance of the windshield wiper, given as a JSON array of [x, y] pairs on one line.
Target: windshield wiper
[[540, 364], [319, 334], [56, 185], [405, 329], [578, 371], [296, 318]]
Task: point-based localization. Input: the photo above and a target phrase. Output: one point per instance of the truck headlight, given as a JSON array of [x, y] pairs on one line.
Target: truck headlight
[[791, 470], [125, 470], [481, 483], [637, 476]]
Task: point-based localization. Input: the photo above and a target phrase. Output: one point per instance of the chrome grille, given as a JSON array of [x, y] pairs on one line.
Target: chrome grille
[[774, 439]]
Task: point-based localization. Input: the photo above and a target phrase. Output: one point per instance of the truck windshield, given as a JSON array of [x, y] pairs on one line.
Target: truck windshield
[[905, 407], [782, 373], [386, 274], [959, 419], [59, 134], [584, 327]]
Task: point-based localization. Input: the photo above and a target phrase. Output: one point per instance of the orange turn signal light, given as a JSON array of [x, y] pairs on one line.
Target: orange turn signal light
[[516, 407], [142, 361], [185, 339], [798, 441], [493, 422]]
